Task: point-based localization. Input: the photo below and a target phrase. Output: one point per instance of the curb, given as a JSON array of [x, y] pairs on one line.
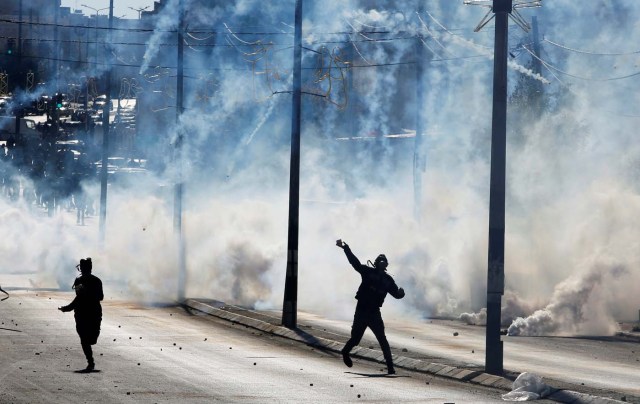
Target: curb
[[438, 369]]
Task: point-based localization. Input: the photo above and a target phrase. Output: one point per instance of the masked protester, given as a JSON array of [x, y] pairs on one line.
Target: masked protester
[[376, 283], [87, 309]]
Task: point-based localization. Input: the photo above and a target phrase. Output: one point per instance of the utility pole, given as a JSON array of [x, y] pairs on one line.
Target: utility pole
[[290, 306], [177, 207], [20, 110], [495, 277], [501, 10], [351, 115], [419, 159], [537, 67], [20, 37], [56, 60], [104, 173], [86, 108]]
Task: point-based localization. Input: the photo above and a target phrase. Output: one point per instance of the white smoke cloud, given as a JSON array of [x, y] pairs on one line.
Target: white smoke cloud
[[479, 318], [577, 307], [512, 308]]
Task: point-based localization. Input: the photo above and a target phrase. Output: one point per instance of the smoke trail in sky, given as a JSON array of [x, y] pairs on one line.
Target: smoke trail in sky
[[166, 23], [528, 72]]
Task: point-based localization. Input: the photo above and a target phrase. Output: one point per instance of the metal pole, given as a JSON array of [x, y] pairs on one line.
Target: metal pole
[[495, 272], [20, 37], [537, 104], [351, 100], [178, 191], [86, 49], [418, 154], [290, 306], [56, 59], [105, 138], [86, 109], [537, 66], [95, 61]]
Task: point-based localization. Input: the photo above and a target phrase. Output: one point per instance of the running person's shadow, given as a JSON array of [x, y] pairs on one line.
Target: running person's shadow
[[87, 371], [376, 375]]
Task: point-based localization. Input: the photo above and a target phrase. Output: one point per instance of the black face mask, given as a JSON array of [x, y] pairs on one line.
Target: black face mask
[[381, 260]]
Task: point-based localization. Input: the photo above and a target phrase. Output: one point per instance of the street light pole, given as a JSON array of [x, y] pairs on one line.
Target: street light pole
[[139, 10], [97, 10], [106, 122]]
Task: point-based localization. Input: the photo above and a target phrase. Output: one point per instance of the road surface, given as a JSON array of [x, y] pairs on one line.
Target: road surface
[[168, 355], [606, 363]]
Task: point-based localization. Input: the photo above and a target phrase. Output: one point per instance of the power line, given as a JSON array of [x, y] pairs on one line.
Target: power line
[[197, 31], [88, 27], [352, 42], [222, 45], [551, 67], [134, 65], [591, 52]]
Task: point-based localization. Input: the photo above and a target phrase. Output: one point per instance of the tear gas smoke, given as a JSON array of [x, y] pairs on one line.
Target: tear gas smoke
[[166, 22], [578, 306], [512, 308], [573, 208]]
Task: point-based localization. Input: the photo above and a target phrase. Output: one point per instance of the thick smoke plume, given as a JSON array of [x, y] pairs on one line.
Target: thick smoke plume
[[578, 306]]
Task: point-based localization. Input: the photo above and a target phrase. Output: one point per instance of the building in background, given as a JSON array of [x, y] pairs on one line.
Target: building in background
[[42, 42]]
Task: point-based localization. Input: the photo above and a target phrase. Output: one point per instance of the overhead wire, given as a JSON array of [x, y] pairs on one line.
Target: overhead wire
[[190, 35], [487, 53], [355, 47], [426, 27], [552, 70], [597, 79], [192, 31], [590, 52], [366, 35]]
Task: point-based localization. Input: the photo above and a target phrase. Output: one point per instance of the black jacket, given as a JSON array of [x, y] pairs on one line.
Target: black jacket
[[88, 296], [376, 283]]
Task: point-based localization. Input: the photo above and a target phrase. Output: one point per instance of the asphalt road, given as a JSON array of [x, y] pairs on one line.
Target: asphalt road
[[607, 363], [168, 355]]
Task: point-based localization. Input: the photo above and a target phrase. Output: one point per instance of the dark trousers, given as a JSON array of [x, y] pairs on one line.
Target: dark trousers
[[372, 318], [88, 330], [88, 352]]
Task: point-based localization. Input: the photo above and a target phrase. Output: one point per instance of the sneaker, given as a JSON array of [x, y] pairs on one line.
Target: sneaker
[[90, 367], [391, 371], [347, 359]]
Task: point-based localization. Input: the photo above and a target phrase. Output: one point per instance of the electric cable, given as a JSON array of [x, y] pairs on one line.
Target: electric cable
[[591, 52], [549, 66]]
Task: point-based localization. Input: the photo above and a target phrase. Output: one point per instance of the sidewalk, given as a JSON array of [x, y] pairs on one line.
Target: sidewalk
[[313, 333]]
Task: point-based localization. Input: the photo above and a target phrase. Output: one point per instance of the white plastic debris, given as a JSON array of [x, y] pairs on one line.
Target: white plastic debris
[[527, 387]]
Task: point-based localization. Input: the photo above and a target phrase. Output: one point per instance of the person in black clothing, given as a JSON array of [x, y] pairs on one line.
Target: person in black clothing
[[376, 283], [87, 309]]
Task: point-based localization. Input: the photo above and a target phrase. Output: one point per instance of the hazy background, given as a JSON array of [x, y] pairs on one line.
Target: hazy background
[[573, 203], [121, 9]]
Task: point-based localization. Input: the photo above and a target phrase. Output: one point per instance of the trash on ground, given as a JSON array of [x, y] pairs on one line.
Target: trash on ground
[[527, 387]]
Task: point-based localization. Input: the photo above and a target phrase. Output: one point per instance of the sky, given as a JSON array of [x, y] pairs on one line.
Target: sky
[[120, 7]]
